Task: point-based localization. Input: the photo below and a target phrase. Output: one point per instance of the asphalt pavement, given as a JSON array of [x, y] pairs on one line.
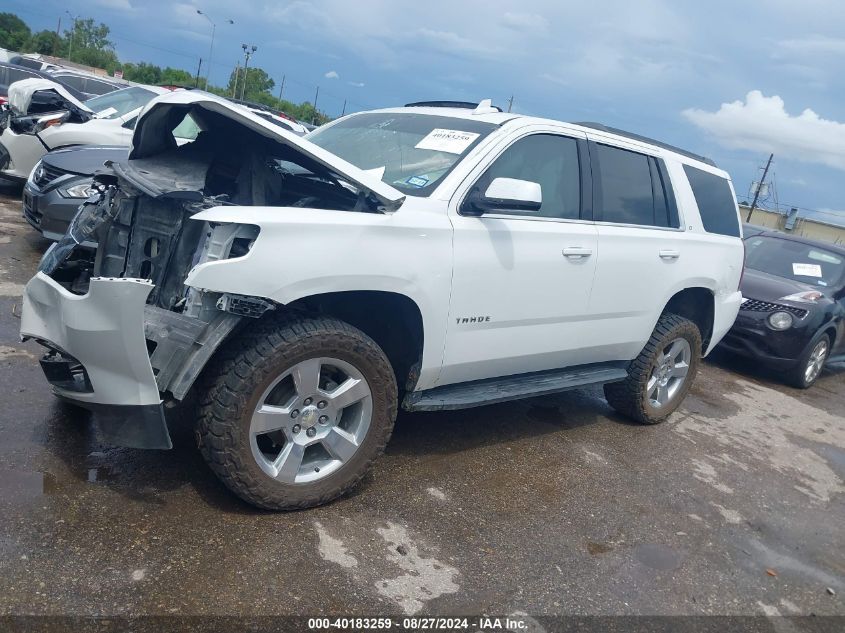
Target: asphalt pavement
[[543, 507]]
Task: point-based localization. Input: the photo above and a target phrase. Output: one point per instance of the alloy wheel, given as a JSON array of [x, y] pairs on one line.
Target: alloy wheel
[[669, 373], [816, 361], [311, 420]]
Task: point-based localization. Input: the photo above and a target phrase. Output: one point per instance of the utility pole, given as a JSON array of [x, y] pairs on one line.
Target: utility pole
[[237, 75], [759, 187], [314, 118], [72, 36], [510, 103], [56, 41], [282, 87], [197, 80], [249, 50]]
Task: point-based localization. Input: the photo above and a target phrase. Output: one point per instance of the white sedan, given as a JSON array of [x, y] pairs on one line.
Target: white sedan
[[105, 120]]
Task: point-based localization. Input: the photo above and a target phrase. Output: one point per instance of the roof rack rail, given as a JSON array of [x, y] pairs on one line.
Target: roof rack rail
[[645, 139], [464, 105]]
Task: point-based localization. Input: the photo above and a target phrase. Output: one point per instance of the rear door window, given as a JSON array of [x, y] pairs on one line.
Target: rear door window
[[715, 202], [632, 188], [93, 86], [75, 82], [17, 74]]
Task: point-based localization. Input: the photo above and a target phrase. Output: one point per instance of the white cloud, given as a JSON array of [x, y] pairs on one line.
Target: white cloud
[[532, 22], [332, 74], [762, 124], [451, 42], [116, 5], [356, 84], [815, 45]]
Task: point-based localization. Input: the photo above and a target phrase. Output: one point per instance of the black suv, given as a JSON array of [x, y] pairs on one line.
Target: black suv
[[792, 317]]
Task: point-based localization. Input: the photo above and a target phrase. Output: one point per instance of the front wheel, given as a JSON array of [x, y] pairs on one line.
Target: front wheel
[[661, 376], [294, 413], [809, 368]]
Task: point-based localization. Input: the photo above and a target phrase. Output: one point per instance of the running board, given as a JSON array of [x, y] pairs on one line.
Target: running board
[[493, 390]]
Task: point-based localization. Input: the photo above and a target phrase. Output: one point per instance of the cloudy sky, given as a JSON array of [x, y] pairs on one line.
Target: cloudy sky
[[731, 80]]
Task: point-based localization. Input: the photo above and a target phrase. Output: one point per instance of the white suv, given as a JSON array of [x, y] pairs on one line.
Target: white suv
[[423, 257]]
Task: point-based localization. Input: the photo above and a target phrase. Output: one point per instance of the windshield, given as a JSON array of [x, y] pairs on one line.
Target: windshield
[[415, 150], [120, 102], [806, 263]]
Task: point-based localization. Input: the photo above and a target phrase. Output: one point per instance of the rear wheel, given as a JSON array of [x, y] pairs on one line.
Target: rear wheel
[[294, 413], [809, 368], [661, 376]]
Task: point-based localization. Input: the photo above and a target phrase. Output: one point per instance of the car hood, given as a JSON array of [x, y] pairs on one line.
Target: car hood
[[149, 139], [765, 287], [84, 160], [21, 94]]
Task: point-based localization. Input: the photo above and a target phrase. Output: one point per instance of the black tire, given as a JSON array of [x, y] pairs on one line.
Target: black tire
[[629, 396], [238, 376], [797, 376]]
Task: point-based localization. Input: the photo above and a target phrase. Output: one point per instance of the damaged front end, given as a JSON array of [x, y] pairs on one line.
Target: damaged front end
[[125, 335], [38, 103], [122, 330]]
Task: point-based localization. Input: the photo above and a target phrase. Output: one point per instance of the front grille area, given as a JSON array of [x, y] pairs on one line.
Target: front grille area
[[29, 210], [47, 174], [755, 305]]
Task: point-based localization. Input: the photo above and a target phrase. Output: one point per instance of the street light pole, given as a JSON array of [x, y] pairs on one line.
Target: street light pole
[[210, 48], [249, 49]]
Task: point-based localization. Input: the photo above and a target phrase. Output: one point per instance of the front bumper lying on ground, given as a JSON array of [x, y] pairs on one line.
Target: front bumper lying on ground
[[99, 359]]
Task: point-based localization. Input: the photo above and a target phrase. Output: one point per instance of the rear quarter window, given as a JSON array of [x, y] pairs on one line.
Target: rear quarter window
[[715, 202]]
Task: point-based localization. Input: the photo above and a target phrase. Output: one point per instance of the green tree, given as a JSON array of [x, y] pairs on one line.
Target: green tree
[[46, 43], [89, 43], [143, 73], [177, 77], [14, 33], [86, 34], [257, 82]]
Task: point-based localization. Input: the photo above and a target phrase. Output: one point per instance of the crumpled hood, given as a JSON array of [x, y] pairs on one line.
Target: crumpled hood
[[21, 93], [147, 141]]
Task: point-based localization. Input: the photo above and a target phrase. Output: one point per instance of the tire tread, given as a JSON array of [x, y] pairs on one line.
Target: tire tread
[[628, 396], [230, 379]]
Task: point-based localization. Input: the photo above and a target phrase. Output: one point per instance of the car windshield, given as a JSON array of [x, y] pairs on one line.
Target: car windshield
[[120, 102], [806, 263], [415, 151]]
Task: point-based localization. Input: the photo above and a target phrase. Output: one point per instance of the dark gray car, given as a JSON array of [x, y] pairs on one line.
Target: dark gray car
[[59, 184]]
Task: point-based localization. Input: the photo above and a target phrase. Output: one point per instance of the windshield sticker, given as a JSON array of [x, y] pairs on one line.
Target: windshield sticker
[[451, 141], [106, 112], [417, 181], [807, 270]]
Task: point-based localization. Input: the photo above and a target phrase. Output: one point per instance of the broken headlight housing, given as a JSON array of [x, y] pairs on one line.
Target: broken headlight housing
[[82, 189], [92, 214]]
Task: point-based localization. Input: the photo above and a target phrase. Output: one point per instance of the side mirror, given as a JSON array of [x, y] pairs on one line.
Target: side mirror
[[505, 194]]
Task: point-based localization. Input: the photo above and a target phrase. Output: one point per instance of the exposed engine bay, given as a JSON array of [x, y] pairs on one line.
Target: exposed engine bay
[[140, 217]]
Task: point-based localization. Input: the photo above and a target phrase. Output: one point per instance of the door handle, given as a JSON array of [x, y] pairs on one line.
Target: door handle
[[670, 254], [577, 252]]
